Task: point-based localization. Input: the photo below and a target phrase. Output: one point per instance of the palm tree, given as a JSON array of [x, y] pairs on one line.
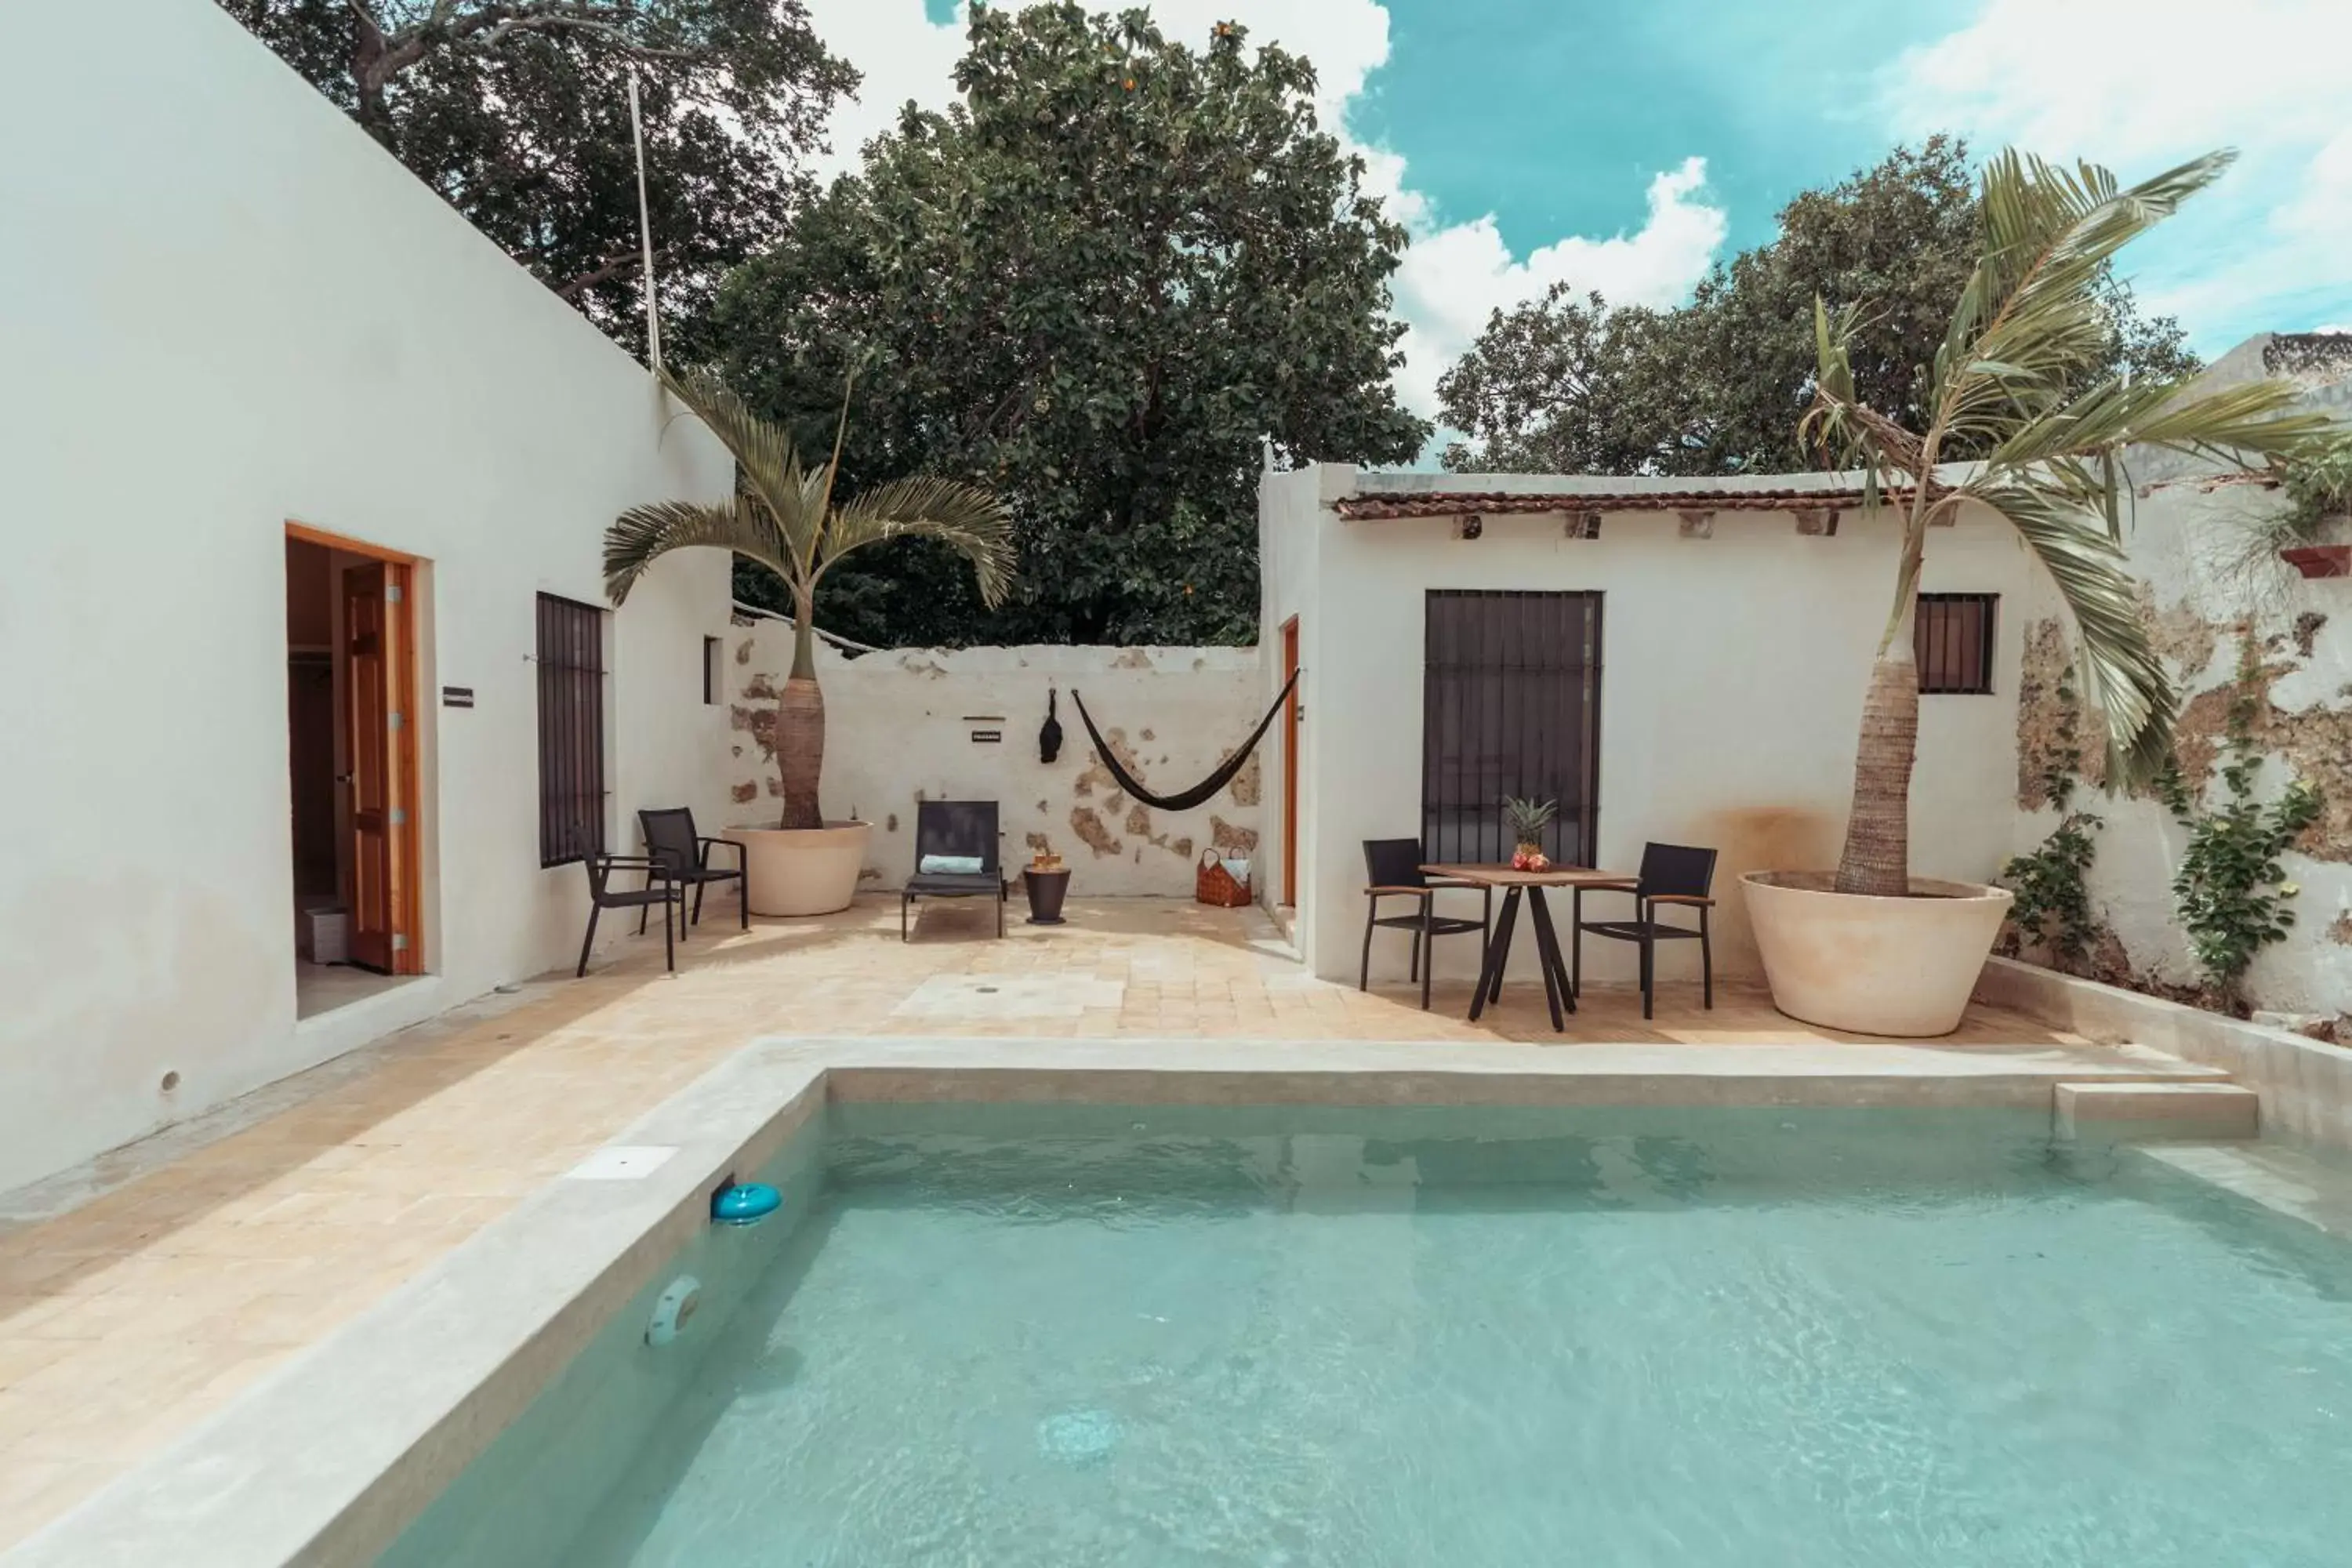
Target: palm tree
[[784, 516], [2014, 379]]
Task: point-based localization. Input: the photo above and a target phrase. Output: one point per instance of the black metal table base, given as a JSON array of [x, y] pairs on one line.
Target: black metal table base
[[1558, 990]]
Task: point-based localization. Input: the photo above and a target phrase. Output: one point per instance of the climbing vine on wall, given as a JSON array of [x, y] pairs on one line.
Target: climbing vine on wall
[[2231, 891], [2052, 883]]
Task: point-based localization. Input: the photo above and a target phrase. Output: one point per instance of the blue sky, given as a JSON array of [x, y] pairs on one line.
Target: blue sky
[[1625, 145]]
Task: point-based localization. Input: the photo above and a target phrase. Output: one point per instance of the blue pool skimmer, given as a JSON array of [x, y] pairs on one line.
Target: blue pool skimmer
[[744, 1203]]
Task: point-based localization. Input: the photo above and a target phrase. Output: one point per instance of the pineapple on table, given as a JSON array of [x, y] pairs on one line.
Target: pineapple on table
[[1528, 820]]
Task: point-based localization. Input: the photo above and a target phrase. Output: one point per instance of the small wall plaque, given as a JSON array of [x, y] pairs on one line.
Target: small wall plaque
[[456, 697], [987, 737]]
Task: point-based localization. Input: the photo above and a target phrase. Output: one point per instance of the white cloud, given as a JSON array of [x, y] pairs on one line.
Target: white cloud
[[2138, 84], [1453, 274], [900, 54], [2131, 81]]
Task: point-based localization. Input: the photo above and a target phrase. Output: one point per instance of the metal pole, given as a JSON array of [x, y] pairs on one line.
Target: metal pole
[[646, 229]]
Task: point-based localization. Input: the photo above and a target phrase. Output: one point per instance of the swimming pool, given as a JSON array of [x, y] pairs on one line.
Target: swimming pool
[[1012, 1334]]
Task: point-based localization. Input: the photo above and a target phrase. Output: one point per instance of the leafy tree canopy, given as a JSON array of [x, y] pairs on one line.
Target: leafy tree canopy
[[517, 111], [1569, 385], [1094, 286]]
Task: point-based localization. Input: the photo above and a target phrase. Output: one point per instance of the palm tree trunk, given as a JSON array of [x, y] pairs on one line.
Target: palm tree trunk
[[799, 725], [1878, 830]]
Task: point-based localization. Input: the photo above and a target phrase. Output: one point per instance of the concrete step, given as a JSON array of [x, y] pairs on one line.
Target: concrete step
[[2133, 1113]]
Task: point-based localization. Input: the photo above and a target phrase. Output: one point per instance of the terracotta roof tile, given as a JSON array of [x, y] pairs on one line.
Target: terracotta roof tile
[[1499, 503]]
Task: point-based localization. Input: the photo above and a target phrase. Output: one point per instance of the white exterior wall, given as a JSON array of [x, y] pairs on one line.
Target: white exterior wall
[[1733, 672], [222, 309], [2183, 538], [1289, 547], [900, 726]]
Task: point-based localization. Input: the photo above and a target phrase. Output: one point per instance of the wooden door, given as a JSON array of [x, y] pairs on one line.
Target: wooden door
[[1290, 765], [379, 687]]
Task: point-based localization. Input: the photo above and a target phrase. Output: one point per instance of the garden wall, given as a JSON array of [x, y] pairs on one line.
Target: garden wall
[[2185, 537], [918, 724]]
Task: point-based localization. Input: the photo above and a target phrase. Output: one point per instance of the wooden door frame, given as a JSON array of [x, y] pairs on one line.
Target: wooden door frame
[[1291, 714], [401, 787]]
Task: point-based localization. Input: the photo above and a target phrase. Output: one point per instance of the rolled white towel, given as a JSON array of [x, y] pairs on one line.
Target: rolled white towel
[[951, 865]]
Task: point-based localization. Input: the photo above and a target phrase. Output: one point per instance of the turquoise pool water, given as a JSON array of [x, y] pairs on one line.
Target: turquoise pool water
[[1010, 1337]]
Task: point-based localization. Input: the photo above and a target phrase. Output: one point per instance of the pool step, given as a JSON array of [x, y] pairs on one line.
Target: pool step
[[2291, 1181], [2128, 1112]]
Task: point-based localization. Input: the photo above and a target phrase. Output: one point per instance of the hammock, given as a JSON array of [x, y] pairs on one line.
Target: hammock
[[1183, 800]]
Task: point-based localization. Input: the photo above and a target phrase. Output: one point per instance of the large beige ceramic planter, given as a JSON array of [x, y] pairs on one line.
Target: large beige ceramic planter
[[1873, 966], [801, 871]]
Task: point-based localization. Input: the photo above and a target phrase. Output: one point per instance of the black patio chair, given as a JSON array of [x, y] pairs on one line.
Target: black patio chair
[[959, 829], [1672, 874], [658, 889], [1392, 870], [670, 839]]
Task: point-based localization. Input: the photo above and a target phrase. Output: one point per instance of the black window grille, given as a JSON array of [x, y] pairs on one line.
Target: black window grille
[[1952, 639], [1510, 706], [570, 730]]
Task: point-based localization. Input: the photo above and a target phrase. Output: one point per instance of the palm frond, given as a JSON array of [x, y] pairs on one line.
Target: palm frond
[[643, 534], [2121, 674], [968, 520], [1846, 431], [2031, 322], [2258, 419], [767, 462]]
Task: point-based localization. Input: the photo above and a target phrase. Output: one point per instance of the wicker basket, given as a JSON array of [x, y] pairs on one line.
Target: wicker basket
[[1212, 884]]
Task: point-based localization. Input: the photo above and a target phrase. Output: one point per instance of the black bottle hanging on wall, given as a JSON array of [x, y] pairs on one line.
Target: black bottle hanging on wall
[[1049, 734]]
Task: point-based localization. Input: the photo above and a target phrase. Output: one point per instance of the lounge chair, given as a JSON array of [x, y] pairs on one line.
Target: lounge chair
[[955, 857]]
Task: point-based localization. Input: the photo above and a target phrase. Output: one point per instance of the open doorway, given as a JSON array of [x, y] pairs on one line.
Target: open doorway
[[351, 685]]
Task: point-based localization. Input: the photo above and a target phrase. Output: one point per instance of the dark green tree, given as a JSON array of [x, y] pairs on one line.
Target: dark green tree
[[1096, 286], [517, 111], [1568, 385]]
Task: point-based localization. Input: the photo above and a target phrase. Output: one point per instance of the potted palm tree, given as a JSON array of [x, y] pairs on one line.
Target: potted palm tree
[[785, 517], [1871, 947]]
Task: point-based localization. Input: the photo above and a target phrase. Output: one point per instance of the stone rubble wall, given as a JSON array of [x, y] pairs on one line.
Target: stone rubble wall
[[907, 725], [2185, 534]]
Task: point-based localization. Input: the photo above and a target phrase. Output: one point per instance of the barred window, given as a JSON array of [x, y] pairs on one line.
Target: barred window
[[570, 730], [1510, 706], [1952, 638]]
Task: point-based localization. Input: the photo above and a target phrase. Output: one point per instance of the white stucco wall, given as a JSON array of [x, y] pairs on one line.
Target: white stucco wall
[[1733, 673], [900, 726], [2184, 537], [1288, 549], [222, 309]]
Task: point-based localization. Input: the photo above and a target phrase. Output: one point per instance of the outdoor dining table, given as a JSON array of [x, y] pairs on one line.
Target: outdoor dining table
[[1558, 988]]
